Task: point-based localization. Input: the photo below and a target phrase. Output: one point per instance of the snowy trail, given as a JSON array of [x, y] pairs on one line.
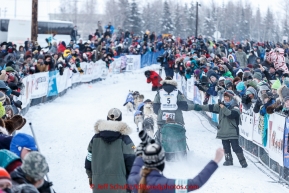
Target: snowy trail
[[64, 128]]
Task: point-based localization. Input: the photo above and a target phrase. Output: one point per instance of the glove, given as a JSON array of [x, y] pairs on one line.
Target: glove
[[140, 148], [18, 104], [74, 71]]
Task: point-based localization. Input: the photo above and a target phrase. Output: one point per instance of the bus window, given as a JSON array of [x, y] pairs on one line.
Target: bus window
[[43, 28], [4, 25], [60, 28]]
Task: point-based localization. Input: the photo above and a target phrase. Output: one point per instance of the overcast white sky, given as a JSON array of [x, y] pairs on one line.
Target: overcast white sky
[[23, 7]]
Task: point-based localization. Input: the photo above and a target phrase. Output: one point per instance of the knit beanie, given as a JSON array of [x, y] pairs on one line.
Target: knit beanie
[[153, 155], [251, 90], [2, 97], [114, 115], [276, 85], [257, 75], [240, 86], [5, 178], [228, 83], [229, 94]]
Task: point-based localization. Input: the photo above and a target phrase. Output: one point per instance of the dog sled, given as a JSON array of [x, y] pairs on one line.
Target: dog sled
[[172, 137]]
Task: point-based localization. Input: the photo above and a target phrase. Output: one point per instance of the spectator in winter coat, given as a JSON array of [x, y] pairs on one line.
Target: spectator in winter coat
[[224, 71], [277, 58], [32, 171], [228, 128], [22, 144], [241, 57], [110, 152], [154, 78], [148, 169], [252, 58]]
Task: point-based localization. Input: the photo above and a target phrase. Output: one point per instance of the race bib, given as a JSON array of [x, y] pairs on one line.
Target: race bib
[[168, 115], [168, 101]]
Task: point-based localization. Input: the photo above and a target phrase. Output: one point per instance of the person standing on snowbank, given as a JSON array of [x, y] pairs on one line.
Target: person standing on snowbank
[[154, 78], [147, 171], [228, 128], [110, 153]]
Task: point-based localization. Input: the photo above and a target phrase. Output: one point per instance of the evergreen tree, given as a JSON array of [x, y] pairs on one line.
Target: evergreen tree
[[148, 18], [135, 18], [208, 29], [124, 11], [167, 23], [184, 23], [177, 20], [191, 19], [268, 26]]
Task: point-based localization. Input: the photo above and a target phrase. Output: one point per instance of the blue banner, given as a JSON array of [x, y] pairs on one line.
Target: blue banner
[[286, 144], [52, 86], [150, 58]]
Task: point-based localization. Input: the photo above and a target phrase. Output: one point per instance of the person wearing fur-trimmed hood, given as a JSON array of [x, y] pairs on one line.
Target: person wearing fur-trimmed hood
[[110, 153]]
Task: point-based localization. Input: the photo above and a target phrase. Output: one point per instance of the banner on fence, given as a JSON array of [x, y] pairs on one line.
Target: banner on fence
[[197, 96], [25, 96], [134, 61], [52, 84], [286, 144], [190, 89], [257, 128], [276, 135], [39, 85], [247, 119]]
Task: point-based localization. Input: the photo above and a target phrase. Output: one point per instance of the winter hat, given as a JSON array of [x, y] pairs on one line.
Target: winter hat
[[35, 166], [250, 66], [247, 75], [284, 93], [25, 188], [20, 141], [258, 70], [228, 83], [268, 95], [246, 69], [215, 68], [197, 72], [222, 78], [153, 155], [251, 90], [229, 94], [2, 109], [286, 81], [239, 71], [147, 73], [257, 75], [240, 86], [276, 85], [2, 97], [7, 157], [40, 56], [9, 69], [5, 178], [114, 115]]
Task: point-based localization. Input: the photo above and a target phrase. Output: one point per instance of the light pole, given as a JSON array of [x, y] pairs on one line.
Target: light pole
[[197, 18]]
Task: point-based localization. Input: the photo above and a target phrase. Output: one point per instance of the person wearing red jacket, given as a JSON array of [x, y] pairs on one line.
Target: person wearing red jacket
[[154, 78]]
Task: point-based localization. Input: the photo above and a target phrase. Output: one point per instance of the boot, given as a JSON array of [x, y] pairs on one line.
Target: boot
[[242, 160], [229, 160]]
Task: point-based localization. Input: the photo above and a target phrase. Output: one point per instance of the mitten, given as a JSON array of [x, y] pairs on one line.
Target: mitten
[[74, 71]]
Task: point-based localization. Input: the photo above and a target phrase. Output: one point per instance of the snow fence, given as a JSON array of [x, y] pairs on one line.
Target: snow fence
[[266, 138], [46, 86]]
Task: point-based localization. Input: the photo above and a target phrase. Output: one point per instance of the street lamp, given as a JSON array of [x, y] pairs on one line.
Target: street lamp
[[197, 18]]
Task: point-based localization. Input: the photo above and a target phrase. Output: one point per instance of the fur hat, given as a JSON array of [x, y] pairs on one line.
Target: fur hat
[[268, 95], [274, 107], [15, 123]]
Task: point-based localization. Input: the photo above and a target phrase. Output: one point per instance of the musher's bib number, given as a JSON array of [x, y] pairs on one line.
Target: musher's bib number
[[168, 115]]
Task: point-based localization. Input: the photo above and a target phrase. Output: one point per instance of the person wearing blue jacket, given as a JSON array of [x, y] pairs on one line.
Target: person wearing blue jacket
[[147, 171]]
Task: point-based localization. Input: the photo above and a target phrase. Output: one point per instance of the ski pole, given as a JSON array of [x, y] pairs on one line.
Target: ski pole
[[32, 130]]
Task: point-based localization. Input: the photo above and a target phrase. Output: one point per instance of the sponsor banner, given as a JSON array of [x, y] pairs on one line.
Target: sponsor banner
[[276, 137], [39, 84], [52, 84], [246, 126], [286, 144]]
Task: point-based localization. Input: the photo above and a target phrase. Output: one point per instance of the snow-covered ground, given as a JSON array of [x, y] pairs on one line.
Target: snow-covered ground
[[64, 128]]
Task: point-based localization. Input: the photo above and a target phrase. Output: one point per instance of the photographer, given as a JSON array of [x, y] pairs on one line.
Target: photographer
[[228, 128], [168, 61]]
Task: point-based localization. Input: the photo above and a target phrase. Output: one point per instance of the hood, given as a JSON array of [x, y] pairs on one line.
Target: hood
[[281, 51], [169, 85], [253, 91], [283, 91], [18, 176], [225, 68], [114, 126], [212, 73]]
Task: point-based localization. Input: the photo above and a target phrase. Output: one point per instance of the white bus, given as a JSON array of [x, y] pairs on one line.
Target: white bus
[[18, 31]]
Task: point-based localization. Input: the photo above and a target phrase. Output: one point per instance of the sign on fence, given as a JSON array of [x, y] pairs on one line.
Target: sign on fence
[[39, 84], [286, 144], [247, 120]]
